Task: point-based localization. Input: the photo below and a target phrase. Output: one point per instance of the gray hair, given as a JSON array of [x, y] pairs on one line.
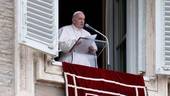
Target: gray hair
[[76, 13]]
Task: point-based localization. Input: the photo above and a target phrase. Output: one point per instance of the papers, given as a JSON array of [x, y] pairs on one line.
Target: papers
[[83, 43], [93, 37]]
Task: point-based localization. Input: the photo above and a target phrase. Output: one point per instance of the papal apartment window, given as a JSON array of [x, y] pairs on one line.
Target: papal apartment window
[[39, 21]]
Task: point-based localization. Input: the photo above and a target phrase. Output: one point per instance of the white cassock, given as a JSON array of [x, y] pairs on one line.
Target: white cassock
[[68, 35]]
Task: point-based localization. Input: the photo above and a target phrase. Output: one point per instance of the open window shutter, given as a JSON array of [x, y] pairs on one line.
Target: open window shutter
[[163, 37], [40, 25]]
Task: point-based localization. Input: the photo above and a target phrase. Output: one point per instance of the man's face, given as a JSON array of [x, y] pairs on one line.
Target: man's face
[[79, 20]]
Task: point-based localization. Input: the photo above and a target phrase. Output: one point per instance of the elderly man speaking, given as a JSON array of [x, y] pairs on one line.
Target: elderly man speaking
[[69, 34]]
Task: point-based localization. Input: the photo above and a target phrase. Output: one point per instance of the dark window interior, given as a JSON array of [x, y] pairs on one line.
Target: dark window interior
[[93, 10], [120, 35]]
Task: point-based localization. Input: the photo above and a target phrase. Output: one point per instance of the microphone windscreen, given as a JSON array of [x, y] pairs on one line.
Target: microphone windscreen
[[87, 25]]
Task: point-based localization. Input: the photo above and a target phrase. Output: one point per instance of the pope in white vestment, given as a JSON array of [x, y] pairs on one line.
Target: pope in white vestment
[[68, 35]]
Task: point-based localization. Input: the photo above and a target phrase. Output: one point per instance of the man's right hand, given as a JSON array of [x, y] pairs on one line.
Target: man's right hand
[[92, 50]]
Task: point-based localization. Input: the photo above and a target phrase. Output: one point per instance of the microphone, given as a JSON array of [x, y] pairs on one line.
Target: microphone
[[88, 26], [107, 41]]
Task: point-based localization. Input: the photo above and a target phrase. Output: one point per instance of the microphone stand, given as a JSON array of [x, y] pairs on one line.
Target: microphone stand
[[107, 41]]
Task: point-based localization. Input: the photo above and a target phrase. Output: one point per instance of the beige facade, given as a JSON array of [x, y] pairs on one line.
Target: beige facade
[[157, 85], [27, 72], [7, 47]]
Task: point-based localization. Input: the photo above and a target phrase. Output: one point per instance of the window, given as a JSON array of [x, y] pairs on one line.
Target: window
[[38, 24], [162, 36], [127, 35]]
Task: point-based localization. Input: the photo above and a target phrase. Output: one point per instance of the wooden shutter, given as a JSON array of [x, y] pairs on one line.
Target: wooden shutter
[[163, 37], [40, 25]]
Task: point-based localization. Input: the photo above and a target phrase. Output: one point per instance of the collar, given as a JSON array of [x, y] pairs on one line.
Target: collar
[[75, 28]]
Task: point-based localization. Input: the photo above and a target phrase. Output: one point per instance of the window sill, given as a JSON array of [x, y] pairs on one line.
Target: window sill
[[49, 71]]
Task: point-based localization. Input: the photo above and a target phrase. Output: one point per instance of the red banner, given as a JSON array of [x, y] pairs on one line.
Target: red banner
[[89, 81]]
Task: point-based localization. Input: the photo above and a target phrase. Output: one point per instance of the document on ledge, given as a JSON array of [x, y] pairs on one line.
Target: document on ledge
[[83, 43]]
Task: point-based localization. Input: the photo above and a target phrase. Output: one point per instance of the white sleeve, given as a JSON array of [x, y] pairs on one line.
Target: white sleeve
[[64, 43], [65, 46]]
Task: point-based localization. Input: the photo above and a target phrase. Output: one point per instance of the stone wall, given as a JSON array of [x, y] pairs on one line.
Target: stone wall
[[7, 47]]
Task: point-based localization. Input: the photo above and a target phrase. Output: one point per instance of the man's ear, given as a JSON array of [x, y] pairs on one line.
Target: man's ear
[[73, 20]]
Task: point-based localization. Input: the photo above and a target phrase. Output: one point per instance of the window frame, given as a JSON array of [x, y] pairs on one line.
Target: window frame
[[136, 42], [136, 33]]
